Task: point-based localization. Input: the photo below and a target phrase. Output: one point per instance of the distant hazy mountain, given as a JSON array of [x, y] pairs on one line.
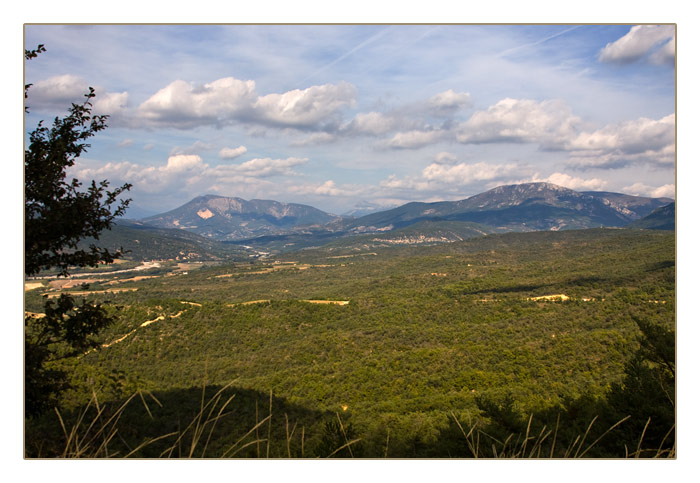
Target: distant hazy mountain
[[224, 218], [663, 218], [365, 208], [522, 207]]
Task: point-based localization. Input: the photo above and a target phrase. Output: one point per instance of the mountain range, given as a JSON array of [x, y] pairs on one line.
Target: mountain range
[[520, 207]]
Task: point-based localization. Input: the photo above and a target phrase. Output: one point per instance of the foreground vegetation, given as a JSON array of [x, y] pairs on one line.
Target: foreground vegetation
[[442, 351]]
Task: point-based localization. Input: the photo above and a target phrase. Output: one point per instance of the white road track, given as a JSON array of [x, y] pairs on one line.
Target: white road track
[[149, 322]]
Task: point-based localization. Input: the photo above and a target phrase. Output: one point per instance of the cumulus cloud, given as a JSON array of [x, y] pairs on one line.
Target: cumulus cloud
[[410, 121], [327, 188], [181, 104], [445, 174], [573, 182], [232, 153], [465, 173], [640, 189], [304, 107], [640, 141], [560, 179], [230, 100], [177, 171], [183, 162], [640, 42], [548, 123], [188, 172], [552, 126], [58, 92], [666, 54]]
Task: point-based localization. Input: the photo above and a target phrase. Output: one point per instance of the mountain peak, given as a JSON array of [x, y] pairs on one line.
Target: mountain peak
[[540, 186], [228, 218]]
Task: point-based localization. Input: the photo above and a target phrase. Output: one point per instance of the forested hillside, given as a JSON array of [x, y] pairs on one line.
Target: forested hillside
[[399, 348]]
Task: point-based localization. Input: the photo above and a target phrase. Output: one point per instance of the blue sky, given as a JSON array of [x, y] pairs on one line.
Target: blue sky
[[346, 116]]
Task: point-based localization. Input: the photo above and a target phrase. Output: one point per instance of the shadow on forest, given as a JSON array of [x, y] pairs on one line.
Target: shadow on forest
[[661, 265], [636, 418], [534, 288], [219, 421]]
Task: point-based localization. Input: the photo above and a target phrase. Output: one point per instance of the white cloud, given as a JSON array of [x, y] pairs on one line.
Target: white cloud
[[632, 137], [640, 189], [639, 42], [446, 175], [305, 107], [560, 179], [641, 141], [189, 173], [183, 162], [327, 188], [111, 103], [666, 53], [232, 153], [575, 183], [181, 104], [125, 143], [465, 173], [548, 123], [552, 126], [230, 100], [59, 92]]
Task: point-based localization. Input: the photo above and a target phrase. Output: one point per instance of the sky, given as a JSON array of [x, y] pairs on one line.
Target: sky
[[347, 117]]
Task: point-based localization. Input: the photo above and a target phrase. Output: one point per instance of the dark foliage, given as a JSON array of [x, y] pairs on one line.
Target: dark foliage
[[57, 215], [66, 330], [635, 418]]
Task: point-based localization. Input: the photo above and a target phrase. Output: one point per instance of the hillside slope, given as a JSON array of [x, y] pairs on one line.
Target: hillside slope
[[663, 218], [225, 218]]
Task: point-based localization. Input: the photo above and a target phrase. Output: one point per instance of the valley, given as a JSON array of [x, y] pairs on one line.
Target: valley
[[398, 341]]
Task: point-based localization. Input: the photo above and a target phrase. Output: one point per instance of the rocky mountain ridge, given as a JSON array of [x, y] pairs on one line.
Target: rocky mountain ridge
[[521, 207]]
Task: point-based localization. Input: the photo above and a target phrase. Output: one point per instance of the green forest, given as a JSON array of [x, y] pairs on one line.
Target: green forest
[[542, 344]]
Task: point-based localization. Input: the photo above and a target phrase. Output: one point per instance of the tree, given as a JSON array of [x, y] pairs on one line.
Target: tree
[[648, 393], [58, 214]]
